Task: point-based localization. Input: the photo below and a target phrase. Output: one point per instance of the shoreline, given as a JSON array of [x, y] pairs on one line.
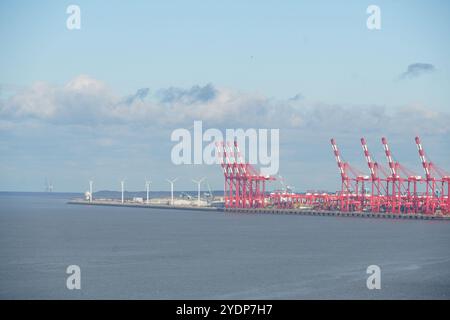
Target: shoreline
[[304, 212], [112, 203]]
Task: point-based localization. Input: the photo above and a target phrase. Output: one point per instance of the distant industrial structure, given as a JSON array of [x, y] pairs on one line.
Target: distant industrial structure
[[48, 186]]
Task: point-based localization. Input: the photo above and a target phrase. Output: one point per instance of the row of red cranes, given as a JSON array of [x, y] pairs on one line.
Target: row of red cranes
[[395, 189]]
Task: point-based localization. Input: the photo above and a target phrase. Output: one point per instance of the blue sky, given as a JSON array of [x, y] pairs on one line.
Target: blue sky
[[255, 55]]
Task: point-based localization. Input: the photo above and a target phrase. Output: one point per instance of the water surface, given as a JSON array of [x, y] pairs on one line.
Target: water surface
[[167, 254]]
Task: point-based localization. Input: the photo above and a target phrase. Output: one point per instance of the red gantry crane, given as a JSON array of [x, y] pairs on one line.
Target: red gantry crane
[[378, 184], [353, 195], [402, 197], [437, 189], [244, 187]]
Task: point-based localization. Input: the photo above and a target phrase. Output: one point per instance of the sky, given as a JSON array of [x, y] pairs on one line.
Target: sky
[[101, 102]]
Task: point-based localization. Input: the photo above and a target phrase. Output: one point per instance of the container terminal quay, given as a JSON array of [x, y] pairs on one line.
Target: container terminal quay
[[393, 192]]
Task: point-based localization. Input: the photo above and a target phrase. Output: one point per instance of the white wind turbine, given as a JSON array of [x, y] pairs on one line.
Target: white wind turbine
[[90, 190], [122, 184], [171, 188], [198, 182], [147, 187]]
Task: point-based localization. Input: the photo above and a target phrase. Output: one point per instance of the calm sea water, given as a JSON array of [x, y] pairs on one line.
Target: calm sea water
[[163, 254]]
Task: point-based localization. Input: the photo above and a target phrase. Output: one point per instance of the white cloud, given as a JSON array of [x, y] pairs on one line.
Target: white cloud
[[87, 101], [39, 101]]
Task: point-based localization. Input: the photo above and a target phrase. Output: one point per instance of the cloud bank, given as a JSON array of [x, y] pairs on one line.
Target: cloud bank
[[90, 102], [417, 69]]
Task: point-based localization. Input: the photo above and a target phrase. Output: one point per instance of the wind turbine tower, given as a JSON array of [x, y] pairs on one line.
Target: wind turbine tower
[[171, 189], [48, 185], [90, 190], [198, 182], [122, 184], [147, 187]]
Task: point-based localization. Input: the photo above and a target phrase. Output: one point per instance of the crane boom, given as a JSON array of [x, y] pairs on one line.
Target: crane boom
[[339, 162], [387, 151], [423, 159], [369, 160]]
